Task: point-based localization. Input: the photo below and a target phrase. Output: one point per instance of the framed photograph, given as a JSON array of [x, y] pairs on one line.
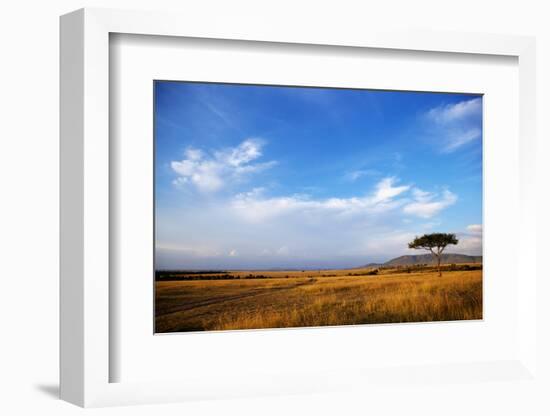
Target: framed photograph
[[279, 206], [265, 211]]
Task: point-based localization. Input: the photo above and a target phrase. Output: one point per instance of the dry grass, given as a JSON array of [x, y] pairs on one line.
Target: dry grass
[[312, 299]]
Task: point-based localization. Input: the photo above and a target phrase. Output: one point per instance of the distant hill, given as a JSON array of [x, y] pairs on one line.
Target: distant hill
[[446, 258]]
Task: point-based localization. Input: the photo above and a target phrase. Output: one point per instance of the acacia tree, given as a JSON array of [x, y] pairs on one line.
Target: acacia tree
[[434, 243]]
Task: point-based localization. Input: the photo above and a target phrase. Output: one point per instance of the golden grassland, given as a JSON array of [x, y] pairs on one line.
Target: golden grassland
[[316, 298]]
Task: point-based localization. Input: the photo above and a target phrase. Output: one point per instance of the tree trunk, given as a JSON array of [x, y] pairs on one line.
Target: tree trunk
[[439, 265]]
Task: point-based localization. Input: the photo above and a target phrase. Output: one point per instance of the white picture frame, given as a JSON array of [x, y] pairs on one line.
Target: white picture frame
[[85, 206]]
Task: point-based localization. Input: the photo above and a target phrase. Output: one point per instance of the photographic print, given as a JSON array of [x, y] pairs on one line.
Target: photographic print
[[286, 206]]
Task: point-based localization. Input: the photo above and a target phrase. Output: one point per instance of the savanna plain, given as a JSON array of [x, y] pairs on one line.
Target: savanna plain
[[230, 300]]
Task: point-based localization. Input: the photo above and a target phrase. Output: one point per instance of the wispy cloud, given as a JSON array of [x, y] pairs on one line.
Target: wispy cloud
[[475, 228], [471, 240], [255, 207], [394, 242], [218, 112], [209, 173], [190, 250], [385, 190], [354, 175], [262, 230], [283, 251], [459, 138], [429, 204], [456, 124], [450, 113]]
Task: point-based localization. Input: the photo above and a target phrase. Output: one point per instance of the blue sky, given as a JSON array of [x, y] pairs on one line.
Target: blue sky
[[266, 176]]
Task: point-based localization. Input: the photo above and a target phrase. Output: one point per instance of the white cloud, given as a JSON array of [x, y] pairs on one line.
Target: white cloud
[[246, 152], [189, 250], [427, 204], [283, 251], [456, 112], [354, 175], [470, 241], [258, 229], [205, 175], [431, 225], [193, 154], [471, 245], [254, 207], [421, 196], [460, 138], [386, 191], [455, 125], [475, 228], [389, 245], [210, 174]]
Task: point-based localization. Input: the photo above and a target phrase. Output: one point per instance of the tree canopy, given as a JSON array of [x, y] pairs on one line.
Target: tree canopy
[[434, 241]]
